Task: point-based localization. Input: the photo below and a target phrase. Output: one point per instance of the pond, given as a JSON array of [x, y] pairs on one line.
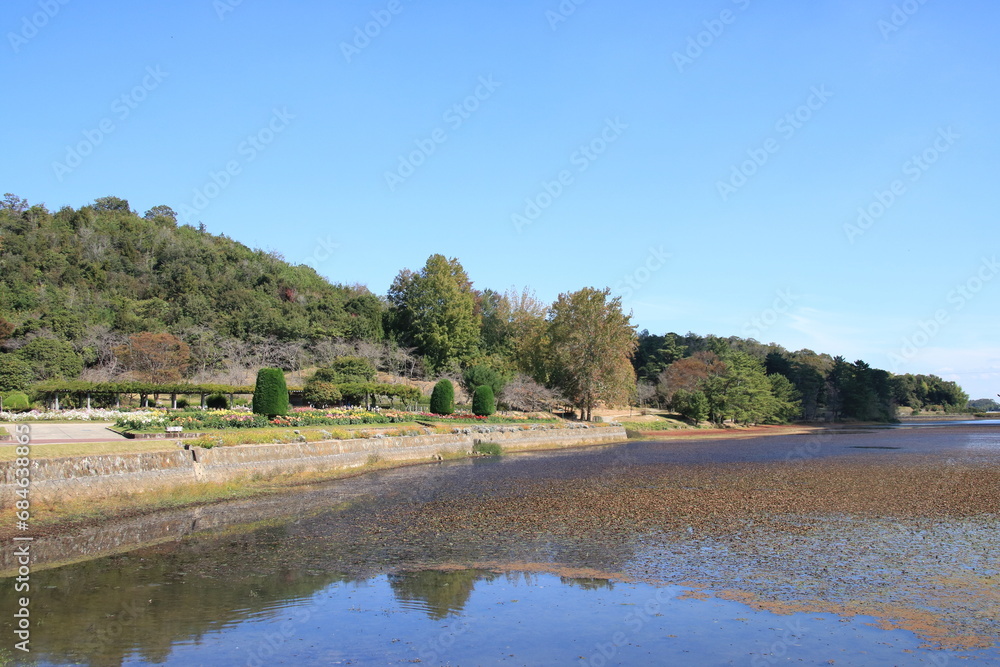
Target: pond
[[863, 546]]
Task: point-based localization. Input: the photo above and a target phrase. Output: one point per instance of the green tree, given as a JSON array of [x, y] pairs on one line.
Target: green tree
[[270, 395], [51, 359], [15, 374], [443, 398], [112, 204], [748, 391], [591, 342], [439, 309], [322, 394], [483, 401], [787, 403], [347, 369], [161, 212], [692, 405], [476, 376]]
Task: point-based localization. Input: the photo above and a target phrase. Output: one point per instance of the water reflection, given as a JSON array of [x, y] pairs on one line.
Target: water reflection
[[439, 594], [366, 568], [433, 616]]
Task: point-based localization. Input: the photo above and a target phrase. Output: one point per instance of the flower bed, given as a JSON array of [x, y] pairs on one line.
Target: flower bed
[[228, 419], [475, 419], [98, 415]]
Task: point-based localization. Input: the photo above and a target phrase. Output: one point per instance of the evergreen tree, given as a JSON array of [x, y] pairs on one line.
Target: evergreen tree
[[443, 398], [483, 401], [270, 395]]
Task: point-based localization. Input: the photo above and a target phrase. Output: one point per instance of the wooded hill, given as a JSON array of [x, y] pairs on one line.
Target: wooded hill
[[102, 294]]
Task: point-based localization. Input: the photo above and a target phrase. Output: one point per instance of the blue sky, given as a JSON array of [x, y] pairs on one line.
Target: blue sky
[[710, 162]]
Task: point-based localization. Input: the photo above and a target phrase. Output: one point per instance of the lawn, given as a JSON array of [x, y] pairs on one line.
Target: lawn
[[7, 450]]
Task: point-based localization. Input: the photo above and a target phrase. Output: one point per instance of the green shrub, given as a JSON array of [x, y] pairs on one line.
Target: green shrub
[[270, 395], [476, 376], [443, 398], [321, 394], [15, 374], [182, 403], [16, 402], [483, 401], [346, 369], [487, 448], [217, 402]]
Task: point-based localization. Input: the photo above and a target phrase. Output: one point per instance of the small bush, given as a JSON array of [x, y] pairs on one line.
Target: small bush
[[217, 402], [182, 403], [443, 398], [483, 401], [487, 449], [270, 394], [16, 402]]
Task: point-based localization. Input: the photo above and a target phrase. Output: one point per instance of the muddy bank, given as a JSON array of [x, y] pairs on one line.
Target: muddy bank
[[114, 475]]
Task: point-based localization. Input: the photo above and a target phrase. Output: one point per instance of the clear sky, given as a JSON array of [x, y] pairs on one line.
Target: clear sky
[[710, 161]]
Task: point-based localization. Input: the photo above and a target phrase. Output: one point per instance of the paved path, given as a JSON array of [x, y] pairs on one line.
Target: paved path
[[45, 434]]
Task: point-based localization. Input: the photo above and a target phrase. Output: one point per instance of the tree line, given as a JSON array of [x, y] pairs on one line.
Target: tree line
[[102, 294]]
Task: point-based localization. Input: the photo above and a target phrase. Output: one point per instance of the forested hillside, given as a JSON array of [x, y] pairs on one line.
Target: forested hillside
[[101, 293]]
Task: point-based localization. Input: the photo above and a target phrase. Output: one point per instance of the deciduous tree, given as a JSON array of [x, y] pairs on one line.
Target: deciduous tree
[[438, 308], [155, 357], [591, 342]]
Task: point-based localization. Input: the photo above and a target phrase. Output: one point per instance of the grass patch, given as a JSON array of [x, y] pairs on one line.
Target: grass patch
[[487, 449], [60, 450], [657, 425], [4, 433]]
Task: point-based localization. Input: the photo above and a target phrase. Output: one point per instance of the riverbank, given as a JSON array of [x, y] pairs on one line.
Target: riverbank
[[895, 528], [79, 489]]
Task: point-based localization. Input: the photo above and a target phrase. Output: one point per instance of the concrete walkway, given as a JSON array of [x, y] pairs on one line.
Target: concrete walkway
[[47, 434]]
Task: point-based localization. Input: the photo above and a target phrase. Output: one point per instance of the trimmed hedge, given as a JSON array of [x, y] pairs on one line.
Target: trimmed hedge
[[483, 402], [16, 402], [443, 398], [217, 402], [270, 395]]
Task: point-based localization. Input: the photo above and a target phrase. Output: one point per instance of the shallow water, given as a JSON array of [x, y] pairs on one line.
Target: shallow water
[[472, 617], [377, 569]]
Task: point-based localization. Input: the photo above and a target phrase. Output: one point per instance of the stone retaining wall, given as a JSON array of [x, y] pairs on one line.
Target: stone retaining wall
[[54, 480]]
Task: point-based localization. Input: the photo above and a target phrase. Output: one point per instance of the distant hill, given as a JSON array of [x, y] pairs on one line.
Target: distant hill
[[104, 265]]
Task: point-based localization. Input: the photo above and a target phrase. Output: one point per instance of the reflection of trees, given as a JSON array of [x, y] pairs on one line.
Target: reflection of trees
[[439, 593], [140, 604], [588, 583]]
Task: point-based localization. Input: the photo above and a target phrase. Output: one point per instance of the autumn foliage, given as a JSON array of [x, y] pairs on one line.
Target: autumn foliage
[[154, 357]]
